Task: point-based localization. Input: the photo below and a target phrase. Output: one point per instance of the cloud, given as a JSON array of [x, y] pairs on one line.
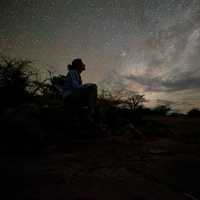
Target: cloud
[[171, 61], [187, 81]]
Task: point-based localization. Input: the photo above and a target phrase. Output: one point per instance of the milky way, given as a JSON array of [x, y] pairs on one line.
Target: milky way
[[151, 46]]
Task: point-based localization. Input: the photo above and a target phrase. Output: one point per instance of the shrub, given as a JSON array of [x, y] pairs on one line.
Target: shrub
[[15, 78], [195, 112], [161, 110]]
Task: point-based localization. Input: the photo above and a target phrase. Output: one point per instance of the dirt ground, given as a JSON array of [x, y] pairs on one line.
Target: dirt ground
[[152, 169]]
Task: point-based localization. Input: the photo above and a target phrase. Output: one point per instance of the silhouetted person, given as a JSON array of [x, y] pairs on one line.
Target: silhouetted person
[[74, 92]]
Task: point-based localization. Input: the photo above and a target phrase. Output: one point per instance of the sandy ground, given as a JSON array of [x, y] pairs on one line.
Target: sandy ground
[[155, 169]]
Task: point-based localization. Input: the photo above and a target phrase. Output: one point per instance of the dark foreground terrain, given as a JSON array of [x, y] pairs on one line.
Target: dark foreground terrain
[[153, 168]]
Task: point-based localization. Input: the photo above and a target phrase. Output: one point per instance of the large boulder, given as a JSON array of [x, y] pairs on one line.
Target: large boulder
[[21, 127]]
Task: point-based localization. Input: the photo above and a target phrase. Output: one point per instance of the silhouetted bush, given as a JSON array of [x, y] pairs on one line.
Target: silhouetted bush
[[161, 110], [15, 80], [144, 110], [52, 87], [195, 112]]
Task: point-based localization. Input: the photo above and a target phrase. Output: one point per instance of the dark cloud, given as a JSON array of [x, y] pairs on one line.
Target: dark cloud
[[182, 84], [187, 81]]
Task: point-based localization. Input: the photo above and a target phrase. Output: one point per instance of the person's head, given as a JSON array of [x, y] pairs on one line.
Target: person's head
[[77, 64]]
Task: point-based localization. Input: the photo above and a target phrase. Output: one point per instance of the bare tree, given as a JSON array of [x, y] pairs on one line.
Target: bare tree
[[135, 101]]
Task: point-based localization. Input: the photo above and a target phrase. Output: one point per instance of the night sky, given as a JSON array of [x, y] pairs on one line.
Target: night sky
[[149, 46]]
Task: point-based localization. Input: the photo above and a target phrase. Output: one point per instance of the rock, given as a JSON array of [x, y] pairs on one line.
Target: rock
[[22, 127]]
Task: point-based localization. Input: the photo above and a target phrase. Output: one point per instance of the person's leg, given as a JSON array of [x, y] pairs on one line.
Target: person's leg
[[92, 96], [85, 96]]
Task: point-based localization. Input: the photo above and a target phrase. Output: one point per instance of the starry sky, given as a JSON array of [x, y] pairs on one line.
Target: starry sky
[[149, 46]]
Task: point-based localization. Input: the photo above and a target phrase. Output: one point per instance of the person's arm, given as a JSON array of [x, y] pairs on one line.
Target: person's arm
[[75, 80]]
